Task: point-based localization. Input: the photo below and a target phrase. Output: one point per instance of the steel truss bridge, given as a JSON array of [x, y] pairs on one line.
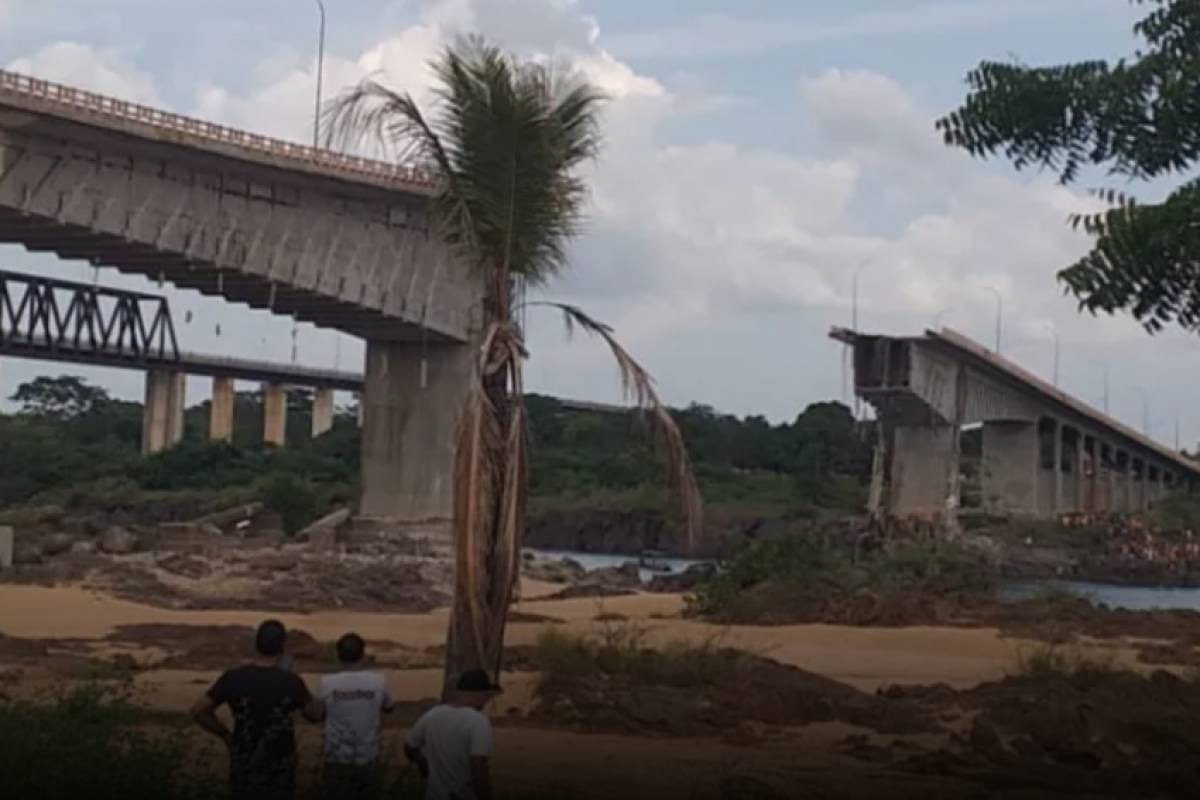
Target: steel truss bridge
[[46, 319]]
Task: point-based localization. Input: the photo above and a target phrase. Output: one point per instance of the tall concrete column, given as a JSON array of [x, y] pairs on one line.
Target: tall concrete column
[[1085, 475], [1011, 467], [1058, 468], [322, 411], [162, 415], [917, 470], [220, 411], [1128, 487], [409, 418], [274, 414], [1111, 501]]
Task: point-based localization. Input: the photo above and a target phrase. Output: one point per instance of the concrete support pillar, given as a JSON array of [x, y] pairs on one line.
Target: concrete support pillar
[[1111, 503], [322, 412], [162, 415], [1059, 505], [1085, 475], [220, 411], [1127, 489], [919, 469], [410, 416], [274, 414], [1011, 467], [7, 545]]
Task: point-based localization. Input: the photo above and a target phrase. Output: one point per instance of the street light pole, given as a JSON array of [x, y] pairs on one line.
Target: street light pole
[[320, 74], [1145, 409], [999, 313], [316, 142], [1054, 332], [937, 320]]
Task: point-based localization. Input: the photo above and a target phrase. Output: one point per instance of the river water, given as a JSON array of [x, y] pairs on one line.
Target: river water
[[1135, 598]]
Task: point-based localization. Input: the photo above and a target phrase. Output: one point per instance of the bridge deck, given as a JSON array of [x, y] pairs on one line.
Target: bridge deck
[[998, 367]]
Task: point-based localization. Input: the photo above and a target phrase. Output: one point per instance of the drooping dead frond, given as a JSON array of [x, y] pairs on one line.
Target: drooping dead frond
[[638, 388], [490, 493]]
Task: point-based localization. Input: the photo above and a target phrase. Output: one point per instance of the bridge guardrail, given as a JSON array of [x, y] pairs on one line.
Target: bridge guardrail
[[209, 132]]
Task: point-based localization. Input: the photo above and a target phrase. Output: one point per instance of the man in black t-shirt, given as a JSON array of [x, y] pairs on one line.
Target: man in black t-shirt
[[263, 698]]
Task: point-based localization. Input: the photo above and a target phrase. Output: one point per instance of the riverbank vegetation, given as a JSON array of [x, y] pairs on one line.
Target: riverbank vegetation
[[71, 444]]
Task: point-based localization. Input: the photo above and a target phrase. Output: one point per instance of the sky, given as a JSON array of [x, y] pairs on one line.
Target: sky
[[762, 159]]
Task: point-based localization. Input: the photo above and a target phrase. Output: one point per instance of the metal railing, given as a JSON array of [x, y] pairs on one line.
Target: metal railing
[[111, 109]]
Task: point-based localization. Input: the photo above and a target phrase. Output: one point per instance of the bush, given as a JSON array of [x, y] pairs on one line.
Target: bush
[[806, 567], [80, 741], [1045, 660], [564, 658]]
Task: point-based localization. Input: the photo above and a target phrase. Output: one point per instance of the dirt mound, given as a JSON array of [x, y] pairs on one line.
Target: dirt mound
[[1037, 618], [747, 689], [1102, 731], [215, 647]]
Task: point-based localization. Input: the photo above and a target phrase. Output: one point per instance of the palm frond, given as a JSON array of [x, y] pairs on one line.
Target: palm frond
[[637, 386]]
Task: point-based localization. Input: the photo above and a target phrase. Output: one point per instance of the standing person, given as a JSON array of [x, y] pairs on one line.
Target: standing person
[[451, 744], [352, 700], [263, 698]]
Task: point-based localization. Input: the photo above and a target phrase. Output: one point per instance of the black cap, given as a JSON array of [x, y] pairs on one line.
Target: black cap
[[476, 680]]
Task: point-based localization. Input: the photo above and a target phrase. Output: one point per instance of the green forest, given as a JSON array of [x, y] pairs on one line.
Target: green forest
[[70, 444]]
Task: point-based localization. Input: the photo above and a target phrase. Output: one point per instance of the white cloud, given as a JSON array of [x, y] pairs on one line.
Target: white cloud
[[712, 236]]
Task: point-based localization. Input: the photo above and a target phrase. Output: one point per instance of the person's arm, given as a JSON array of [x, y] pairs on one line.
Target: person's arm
[[481, 756], [310, 707], [413, 742], [204, 710]]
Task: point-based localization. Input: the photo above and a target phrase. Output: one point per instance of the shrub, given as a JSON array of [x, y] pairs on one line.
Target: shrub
[[79, 741]]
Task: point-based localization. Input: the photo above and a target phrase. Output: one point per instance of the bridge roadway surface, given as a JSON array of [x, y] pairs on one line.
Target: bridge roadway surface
[[241, 369]]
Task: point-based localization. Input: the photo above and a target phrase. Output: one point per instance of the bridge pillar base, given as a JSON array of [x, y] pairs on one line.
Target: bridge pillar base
[[274, 414], [322, 412], [920, 465], [220, 410], [1011, 470], [162, 415], [410, 405]]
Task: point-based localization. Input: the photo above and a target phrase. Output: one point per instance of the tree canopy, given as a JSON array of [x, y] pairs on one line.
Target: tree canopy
[[1135, 117]]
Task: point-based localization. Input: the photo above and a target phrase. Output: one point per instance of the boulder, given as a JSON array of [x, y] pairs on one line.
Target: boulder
[[117, 541], [57, 544]]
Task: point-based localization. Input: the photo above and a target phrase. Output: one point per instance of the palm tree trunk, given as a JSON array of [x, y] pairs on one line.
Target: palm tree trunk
[[462, 652]]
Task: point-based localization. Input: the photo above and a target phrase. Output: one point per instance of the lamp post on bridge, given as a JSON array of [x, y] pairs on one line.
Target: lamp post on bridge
[[1050, 326], [316, 138], [1145, 409], [937, 320], [999, 313]]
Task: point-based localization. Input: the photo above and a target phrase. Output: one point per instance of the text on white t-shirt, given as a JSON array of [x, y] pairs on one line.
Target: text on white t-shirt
[[353, 702]]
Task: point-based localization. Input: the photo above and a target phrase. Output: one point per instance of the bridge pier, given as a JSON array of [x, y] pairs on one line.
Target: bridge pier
[[322, 412], [220, 410], [410, 405], [162, 415], [274, 403], [1010, 468]]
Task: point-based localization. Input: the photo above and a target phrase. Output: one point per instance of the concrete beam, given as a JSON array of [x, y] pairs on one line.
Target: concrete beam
[[358, 258]]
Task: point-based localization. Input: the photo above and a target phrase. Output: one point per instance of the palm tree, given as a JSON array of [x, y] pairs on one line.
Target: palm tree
[[507, 137]]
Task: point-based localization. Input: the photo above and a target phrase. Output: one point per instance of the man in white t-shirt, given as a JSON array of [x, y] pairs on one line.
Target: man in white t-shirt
[[353, 700], [451, 744]]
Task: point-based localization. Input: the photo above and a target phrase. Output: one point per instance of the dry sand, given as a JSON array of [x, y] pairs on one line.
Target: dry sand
[[865, 658]]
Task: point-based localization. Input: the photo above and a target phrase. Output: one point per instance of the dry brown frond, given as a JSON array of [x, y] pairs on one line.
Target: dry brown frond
[[490, 492], [638, 387]]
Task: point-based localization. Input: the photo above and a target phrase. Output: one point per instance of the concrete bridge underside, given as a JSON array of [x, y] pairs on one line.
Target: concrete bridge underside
[[1044, 453]]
